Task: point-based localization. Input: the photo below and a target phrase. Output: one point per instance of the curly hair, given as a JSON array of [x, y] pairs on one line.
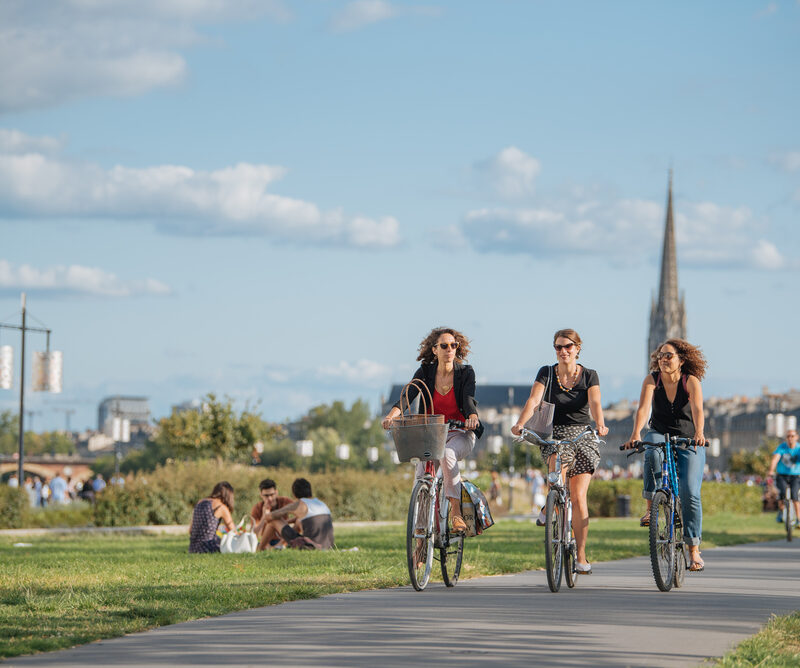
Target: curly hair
[[693, 362], [426, 347]]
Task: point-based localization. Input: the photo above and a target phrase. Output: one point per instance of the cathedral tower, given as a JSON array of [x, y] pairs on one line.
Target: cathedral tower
[[668, 313]]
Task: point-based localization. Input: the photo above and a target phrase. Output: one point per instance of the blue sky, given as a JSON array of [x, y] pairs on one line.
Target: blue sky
[[277, 200]]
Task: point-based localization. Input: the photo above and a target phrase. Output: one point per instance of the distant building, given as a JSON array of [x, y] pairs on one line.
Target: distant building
[[135, 409], [668, 311]]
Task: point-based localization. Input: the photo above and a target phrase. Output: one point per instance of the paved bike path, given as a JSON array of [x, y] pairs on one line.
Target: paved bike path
[[615, 617]]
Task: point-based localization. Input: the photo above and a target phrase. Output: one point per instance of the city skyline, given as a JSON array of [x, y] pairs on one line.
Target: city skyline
[[244, 197]]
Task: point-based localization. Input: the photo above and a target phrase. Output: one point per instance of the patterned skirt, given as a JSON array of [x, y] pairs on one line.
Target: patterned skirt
[[580, 457]]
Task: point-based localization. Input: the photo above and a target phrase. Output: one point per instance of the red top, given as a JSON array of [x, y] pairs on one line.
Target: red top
[[445, 404]]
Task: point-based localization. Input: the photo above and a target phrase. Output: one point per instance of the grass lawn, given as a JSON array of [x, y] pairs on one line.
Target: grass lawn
[[777, 645], [68, 590]]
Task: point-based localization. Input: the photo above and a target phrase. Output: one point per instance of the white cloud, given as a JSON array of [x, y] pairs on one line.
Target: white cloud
[[363, 372], [15, 142], [788, 161], [362, 13], [511, 173], [75, 279], [78, 48], [707, 234], [177, 199]]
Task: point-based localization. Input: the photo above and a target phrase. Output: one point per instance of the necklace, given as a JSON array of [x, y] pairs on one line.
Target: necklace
[[572, 384], [443, 388]]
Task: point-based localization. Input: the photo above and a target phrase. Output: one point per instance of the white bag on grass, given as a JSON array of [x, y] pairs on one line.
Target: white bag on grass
[[239, 541]]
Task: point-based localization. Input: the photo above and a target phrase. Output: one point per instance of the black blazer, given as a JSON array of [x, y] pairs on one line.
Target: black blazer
[[463, 383]]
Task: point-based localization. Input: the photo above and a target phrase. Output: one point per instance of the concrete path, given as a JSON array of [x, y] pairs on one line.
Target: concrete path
[[615, 617]]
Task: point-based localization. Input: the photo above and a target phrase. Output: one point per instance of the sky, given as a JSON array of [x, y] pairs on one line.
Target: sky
[[275, 201]]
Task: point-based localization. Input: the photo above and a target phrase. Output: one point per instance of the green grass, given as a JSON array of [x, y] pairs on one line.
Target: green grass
[[777, 645], [64, 591]]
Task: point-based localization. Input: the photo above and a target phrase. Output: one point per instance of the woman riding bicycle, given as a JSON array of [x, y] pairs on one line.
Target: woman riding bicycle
[[575, 391], [673, 390], [452, 385]]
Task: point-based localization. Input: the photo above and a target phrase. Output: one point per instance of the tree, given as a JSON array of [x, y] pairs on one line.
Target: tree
[[48, 442], [215, 431], [754, 462]]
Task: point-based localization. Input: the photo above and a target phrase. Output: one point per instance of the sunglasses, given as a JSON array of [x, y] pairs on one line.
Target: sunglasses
[[665, 356], [446, 346], [566, 346]]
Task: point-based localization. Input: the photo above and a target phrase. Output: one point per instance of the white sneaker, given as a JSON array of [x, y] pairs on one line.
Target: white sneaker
[[583, 569], [542, 519]]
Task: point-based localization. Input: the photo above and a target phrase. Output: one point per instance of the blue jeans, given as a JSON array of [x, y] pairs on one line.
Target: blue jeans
[[690, 464]]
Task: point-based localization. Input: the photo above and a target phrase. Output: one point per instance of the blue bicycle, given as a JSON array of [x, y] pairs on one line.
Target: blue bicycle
[[668, 552]]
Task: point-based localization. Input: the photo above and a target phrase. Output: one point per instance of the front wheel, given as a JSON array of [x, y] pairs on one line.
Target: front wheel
[[553, 544], [787, 517], [419, 535], [662, 541], [681, 551]]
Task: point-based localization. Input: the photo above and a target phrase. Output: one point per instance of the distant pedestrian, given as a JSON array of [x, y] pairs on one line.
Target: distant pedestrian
[[98, 485], [13, 481], [58, 489]]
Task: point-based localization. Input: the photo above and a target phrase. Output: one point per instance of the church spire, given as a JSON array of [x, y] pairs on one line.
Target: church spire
[[668, 312]]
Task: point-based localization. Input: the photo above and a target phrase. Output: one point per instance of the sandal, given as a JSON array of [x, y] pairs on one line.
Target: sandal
[[644, 520], [697, 564], [459, 525]]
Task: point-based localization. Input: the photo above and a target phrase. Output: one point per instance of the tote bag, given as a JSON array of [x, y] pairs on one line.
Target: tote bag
[[541, 421]]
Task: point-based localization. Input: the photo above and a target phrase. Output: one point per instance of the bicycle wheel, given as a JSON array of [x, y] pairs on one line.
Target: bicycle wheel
[[450, 558], [420, 529], [681, 556], [553, 545], [569, 555], [787, 516], [662, 541]]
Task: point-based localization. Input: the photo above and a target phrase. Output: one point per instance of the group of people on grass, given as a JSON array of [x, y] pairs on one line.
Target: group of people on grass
[[671, 397], [277, 521]]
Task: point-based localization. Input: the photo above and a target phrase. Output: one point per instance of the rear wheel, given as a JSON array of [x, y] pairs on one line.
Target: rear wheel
[[681, 556], [553, 545], [450, 558], [419, 536], [788, 519], [662, 541]]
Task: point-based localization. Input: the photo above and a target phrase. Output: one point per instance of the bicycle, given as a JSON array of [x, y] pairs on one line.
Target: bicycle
[[789, 518], [560, 549], [668, 552], [428, 512]]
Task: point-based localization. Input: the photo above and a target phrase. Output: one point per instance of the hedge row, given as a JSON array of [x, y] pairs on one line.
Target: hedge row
[[168, 495]]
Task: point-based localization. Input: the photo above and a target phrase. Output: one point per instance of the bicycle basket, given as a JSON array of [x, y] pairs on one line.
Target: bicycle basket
[[418, 436]]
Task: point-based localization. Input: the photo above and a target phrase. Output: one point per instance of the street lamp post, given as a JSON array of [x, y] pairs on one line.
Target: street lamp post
[[24, 329]]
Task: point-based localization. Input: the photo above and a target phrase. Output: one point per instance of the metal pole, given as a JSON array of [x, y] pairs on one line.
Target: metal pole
[[21, 462]]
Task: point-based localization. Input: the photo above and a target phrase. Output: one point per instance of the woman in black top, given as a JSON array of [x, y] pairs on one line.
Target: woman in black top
[[673, 390], [575, 391]]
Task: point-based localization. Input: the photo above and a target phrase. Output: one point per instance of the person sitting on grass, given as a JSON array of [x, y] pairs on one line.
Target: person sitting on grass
[[208, 513], [267, 535], [311, 516]]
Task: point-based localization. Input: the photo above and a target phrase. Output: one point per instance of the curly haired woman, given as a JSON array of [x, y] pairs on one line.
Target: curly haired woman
[[451, 382], [673, 390]]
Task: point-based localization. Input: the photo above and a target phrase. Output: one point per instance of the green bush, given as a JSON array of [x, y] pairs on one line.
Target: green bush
[[717, 497], [14, 507], [168, 494]]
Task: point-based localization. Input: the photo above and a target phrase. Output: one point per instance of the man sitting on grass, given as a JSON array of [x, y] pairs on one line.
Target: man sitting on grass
[[267, 536], [311, 516]]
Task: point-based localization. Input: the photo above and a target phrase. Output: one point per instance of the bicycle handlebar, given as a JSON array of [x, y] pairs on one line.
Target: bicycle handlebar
[[533, 437], [639, 446]]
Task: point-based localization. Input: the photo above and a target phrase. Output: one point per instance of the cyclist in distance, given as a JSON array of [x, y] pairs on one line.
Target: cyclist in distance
[[786, 462], [672, 389], [443, 353], [575, 391]]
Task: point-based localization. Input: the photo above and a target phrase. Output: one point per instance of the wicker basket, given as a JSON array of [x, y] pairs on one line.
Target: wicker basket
[[419, 436]]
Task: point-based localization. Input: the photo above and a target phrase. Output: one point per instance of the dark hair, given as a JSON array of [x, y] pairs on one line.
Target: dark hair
[[301, 489], [693, 362], [267, 483], [224, 492], [426, 347]]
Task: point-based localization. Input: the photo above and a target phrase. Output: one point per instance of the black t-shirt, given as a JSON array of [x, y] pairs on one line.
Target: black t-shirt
[[572, 406], [671, 417]]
